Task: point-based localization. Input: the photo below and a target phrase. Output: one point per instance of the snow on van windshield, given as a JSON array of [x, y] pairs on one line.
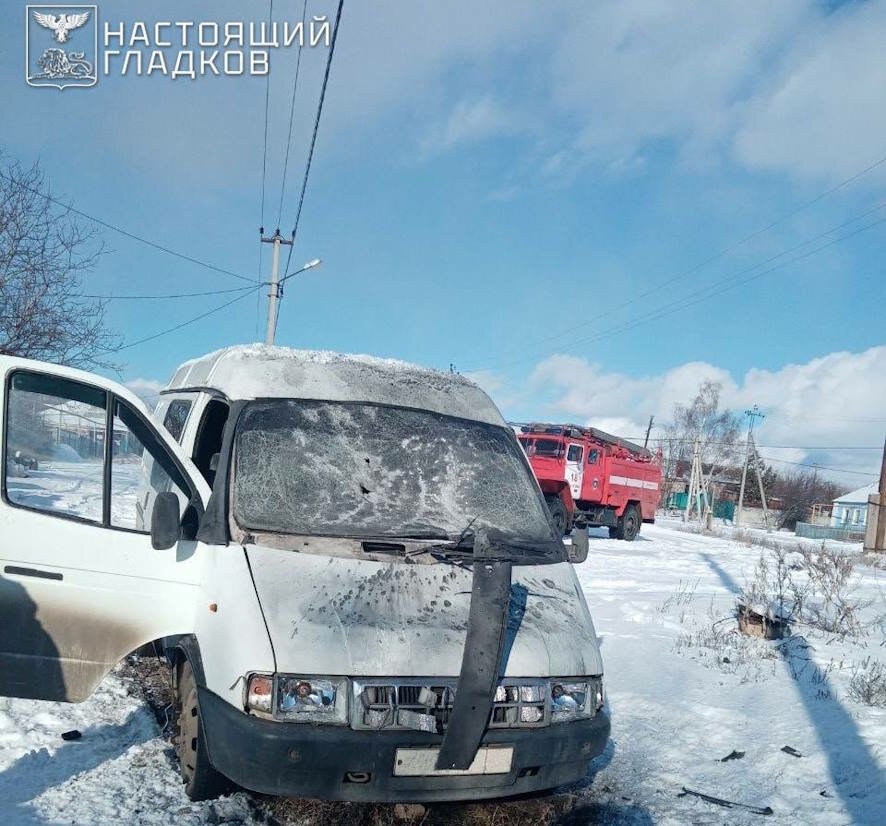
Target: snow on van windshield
[[354, 469]]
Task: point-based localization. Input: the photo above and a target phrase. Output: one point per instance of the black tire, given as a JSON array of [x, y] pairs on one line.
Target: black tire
[[559, 516], [202, 781], [628, 524], [613, 532]]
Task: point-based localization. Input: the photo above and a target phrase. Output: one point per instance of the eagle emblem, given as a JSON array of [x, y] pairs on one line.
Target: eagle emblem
[[61, 24]]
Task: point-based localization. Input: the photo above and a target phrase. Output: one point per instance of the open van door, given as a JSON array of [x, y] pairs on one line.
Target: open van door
[[80, 584]]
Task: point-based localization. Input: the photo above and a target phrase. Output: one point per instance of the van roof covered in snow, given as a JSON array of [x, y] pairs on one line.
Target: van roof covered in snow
[[258, 371]]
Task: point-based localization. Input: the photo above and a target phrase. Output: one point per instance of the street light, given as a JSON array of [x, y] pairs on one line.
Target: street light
[[314, 262], [277, 293]]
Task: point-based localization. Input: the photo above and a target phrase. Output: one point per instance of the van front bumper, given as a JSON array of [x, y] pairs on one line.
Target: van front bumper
[[321, 761]]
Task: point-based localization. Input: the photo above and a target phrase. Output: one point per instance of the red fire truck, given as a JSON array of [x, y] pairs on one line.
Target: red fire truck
[[591, 478]]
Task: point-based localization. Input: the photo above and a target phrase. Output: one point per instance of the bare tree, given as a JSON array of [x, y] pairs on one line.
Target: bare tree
[[799, 492], [718, 432], [45, 252]]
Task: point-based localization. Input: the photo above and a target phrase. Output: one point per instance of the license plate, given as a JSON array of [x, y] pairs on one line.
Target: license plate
[[421, 762]]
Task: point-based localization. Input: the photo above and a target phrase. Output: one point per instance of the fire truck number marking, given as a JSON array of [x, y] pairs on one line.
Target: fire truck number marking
[[633, 483]]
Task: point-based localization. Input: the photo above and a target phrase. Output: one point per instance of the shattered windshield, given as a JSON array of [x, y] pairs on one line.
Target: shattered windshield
[[354, 469]]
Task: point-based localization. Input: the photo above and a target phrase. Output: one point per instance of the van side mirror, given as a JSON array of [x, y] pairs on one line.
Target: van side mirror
[[577, 552], [165, 521]]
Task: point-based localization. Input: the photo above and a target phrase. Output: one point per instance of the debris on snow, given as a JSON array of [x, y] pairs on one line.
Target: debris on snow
[[733, 755], [728, 804]]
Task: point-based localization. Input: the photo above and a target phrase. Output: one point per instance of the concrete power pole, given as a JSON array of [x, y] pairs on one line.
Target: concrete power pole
[[274, 293], [751, 456], [875, 534]]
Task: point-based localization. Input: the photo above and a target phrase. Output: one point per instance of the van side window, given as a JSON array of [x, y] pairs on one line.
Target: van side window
[[140, 469], [57, 460], [574, 453], [209, 437], [176, 416], [55, 446], [592, 456]]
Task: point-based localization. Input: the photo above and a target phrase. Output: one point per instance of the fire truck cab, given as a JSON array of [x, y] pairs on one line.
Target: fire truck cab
[[591, 478]]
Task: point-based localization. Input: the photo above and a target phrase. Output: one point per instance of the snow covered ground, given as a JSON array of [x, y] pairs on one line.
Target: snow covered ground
[[683, 694], [678, 707]]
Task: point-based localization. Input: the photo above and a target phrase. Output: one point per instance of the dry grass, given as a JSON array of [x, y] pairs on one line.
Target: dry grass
[[868, 683], [298, 812]]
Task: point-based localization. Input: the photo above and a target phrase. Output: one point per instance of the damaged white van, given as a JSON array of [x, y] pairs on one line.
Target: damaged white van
[[347, 562]]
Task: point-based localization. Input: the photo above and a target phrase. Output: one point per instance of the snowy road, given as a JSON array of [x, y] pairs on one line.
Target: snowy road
[[678, 707]]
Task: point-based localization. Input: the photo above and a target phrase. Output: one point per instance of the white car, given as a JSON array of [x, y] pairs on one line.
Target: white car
[[347, 562]]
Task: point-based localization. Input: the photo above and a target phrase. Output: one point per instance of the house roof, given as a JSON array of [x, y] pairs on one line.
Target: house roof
[[258, 371], [859, 496]]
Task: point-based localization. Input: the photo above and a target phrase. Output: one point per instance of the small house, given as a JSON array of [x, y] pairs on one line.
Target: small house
[[851, 509]]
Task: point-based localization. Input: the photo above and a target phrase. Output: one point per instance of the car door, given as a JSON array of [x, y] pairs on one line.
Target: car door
[[80, 584], [574, 469]]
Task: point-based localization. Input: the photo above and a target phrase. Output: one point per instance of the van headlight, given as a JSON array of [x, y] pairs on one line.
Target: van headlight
[[575, 699], [297, 698]]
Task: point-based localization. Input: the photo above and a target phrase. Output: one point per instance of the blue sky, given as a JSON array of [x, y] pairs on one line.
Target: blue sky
[[500, 187]]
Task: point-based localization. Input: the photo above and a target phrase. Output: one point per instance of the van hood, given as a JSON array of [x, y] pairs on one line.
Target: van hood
[[352, 617]]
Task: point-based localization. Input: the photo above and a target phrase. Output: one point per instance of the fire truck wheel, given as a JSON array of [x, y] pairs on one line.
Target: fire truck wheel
[[558, 514], [628, 524]]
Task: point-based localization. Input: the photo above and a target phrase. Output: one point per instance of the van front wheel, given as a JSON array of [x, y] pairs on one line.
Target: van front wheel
[[202, 781]]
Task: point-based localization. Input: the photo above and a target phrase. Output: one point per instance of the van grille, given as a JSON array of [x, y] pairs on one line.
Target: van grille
[[426, 704]]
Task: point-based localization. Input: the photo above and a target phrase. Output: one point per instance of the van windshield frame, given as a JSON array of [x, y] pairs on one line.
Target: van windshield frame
[[285, 446]]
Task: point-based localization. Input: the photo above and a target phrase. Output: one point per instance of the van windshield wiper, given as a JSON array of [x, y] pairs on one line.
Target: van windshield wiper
[[470, 545]]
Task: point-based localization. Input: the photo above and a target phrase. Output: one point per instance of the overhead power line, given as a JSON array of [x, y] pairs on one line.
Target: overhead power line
[[167, 296], [127, 233], [187, 323], [677, 439], [264, 160], [872, 474], [304, 183], [715, 289], [291, 116], [724, 251]]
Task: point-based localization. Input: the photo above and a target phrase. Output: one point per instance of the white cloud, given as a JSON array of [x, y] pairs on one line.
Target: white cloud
[[836, 400], [822, 114], [470, 122], [788, 86], [148, 390]]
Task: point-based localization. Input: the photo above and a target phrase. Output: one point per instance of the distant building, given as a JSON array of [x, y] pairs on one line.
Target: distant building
[[851, 509]]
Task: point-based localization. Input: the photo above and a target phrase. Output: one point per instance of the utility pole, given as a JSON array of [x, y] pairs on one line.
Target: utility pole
[[751, 455], [274, 293], [697, 489], [648, 431], [875, 535]]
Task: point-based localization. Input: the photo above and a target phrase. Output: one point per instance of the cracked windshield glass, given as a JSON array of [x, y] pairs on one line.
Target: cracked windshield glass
[[364, 470]]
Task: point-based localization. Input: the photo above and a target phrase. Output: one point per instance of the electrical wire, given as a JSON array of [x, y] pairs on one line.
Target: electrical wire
[[291, 115], [190, 321], [871, 475], [677, 439], [725, 251], [304, 184], [729, 283], [127, 233], [264, 160], [159, 297], [264, 168]]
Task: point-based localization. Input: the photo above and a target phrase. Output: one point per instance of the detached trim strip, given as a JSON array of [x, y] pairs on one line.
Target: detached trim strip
[[16, 571]]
